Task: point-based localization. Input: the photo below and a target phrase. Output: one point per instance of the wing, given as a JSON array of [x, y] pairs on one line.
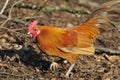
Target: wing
[[84, 51], [80, 38]]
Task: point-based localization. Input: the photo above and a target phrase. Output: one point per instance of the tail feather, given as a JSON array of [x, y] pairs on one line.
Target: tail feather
[[99, 16], [90, 28], [104, 7]]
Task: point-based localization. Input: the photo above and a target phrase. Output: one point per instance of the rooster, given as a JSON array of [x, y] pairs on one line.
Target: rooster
[[69, 43]]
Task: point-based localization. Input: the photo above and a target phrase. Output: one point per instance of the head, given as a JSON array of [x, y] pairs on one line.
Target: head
[[33, 30]]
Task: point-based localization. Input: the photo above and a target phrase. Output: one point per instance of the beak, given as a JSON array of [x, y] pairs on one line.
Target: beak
[[28, 33]]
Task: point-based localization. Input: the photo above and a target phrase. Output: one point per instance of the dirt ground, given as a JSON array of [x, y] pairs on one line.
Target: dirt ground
[[20, 57]]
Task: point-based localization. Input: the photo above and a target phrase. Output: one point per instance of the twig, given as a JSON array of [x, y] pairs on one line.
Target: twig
[[6, 3], [109, 51], [16, 20], [52, 8], [115, 10], [115, 25], [31, 17], [55, 8], [44, 4], [9, 15], [5, 73], [39, 7]]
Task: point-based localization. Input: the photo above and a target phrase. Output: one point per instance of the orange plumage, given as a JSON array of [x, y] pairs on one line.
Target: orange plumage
[[69, 43], [60, 41]]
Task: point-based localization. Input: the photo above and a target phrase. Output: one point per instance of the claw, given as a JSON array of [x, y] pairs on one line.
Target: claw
[[54, 66], [65, 61], [70, 69]]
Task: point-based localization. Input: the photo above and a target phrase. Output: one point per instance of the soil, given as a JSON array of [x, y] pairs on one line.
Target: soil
[[21, 59]]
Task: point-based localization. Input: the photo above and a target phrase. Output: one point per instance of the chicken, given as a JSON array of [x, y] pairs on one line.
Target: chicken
[[69, 43]]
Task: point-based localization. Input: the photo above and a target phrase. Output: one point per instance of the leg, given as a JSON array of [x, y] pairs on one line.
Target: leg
[[70, 69]]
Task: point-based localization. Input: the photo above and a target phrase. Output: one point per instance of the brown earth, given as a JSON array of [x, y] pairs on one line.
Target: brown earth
[[21, 59]]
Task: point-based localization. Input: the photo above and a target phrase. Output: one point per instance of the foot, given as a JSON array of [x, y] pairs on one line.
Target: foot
[[70, 69], [53, 66]]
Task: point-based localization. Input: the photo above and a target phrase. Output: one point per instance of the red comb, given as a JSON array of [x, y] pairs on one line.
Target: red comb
[[33, 24]]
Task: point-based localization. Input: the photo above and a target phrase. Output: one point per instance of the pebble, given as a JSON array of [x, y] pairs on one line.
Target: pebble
[[53, 78]]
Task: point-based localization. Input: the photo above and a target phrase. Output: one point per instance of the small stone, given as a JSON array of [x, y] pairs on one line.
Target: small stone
[[80, 79], [69, 25], [6, 35], [10, 47], [107, 79], [119, 47], [7, 44], [41, 78], [17, 47], [3, 40], [37, 70], [12, 39], [54, 79], [62, 75], [0, 47]]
